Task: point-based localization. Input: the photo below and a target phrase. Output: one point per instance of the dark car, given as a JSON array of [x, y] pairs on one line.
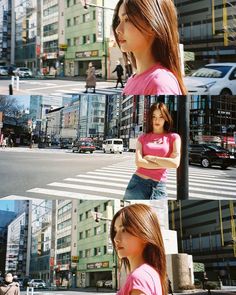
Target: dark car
[[209, 155], [83, 146], [66, 143]]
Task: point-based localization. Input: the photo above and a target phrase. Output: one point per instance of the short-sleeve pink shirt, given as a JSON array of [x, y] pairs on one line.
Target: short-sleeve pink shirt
[[157, 80], [160, 145], [144, 278]]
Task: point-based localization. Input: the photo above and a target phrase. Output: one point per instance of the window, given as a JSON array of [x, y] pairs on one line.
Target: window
[[86, 17], [68, 42], [97, 251], [87, 214], [97, 230], [88, 233], [104, 227], [88, 253], [81, 235], [68, 3], [81, 217], [68, 22], [94, 38], [76, 20]]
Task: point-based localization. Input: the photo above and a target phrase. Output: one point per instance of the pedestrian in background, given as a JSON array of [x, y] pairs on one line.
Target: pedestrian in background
[[137, 239], [147, 33], [8, 287], [119, 71], [91, 78], [156, 151]]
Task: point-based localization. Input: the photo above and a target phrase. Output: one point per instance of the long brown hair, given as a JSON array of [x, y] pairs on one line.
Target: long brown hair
[[161, 17], [165, 114], [141, 221]]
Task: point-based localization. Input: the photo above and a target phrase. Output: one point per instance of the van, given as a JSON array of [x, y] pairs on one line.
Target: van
[[113, 145]]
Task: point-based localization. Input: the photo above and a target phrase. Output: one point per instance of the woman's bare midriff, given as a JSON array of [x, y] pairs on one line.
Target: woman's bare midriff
[[144, 176]]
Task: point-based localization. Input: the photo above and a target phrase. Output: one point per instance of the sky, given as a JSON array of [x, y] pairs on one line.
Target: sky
[[4, 205]]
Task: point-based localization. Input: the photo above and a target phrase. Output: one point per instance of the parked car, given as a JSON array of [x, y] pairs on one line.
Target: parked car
[[37, 283], [66, 143], [108, 284], [213, 79], [83, 146], [3, 71], [23, 72], [209, 155]]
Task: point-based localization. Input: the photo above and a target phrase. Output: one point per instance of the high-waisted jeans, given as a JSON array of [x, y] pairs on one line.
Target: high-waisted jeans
[[145, 189]]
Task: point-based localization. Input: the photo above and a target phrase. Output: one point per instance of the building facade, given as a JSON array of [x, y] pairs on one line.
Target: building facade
[[5, 32], [26, 22], [5, 218], [87, 30], [207, 28], [206, 230], [16, 258], [42, 242]]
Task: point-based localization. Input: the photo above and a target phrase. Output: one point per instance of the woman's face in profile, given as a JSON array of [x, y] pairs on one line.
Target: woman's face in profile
[[130, 38], [127, 245]]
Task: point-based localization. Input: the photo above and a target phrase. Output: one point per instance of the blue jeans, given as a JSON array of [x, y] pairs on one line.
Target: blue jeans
[[145, 189]]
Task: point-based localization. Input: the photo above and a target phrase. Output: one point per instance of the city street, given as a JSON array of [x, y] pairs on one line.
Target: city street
[[87, 292], [59, 174], [55, 87]]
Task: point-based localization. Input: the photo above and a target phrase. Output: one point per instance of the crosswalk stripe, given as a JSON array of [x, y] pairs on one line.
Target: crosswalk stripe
[[95, 182], [107, 174], [110, 170], [89, 188], [15, 197], [212, 180], [66, 194], [192, 188], [101, 177]]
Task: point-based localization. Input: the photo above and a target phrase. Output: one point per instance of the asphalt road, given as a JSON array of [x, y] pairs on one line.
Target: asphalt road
[[60, 174], [23, 169]]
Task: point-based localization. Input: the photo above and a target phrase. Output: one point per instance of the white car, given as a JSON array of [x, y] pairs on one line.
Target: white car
[[37, 283], [213, 79], [3, 71], [23, 72]]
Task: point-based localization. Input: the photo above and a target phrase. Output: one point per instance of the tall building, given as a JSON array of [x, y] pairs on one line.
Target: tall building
[[52, 35], [42, 244], [5, 218], [206, 230], [207, 28], [66, 254], [16, 254], [26, 26], [5, 32]]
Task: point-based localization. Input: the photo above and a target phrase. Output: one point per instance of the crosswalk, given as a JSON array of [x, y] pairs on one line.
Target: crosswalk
[[80, 90], [110, 182]]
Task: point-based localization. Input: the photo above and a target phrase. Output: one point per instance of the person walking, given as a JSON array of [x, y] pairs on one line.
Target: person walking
[[156, 151], [8, 287], [136, 237], [147, 33], [119, 71], [91, 78]]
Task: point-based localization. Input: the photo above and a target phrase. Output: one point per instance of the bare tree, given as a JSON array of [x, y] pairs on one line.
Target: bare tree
[[9, 106]]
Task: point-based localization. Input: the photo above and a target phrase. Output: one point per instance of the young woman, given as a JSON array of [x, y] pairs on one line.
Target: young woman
[[137, 239], [156, 151], [91, 78], [147, 33]]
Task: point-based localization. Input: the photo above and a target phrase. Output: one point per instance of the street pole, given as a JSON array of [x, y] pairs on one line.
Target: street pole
[[183, 130]]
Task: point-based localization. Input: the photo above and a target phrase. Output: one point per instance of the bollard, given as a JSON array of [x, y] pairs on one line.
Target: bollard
[[10, 89], [30, 289], [12, 81], [17, 82]]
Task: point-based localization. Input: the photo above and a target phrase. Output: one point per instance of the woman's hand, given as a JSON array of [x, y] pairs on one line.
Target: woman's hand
[[150, 158]]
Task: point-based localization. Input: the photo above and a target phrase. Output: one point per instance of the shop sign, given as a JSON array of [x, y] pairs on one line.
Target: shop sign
[[97, 265], [63, 46], [75, 258], [73, 265], [100, 27], [64, 267], [207, 138], [89, 53]]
